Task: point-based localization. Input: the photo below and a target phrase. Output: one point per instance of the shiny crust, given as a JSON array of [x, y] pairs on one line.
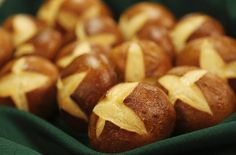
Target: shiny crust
[[100, 25], [78, 7], [8, 23], [156, 28], [224, 45], [156, 61], [152, 106], [219, 96], [160, 36], [161, 15], [46, 43], [96, 82], [6, 47], [69, 48], [41, 100], [210, 27]]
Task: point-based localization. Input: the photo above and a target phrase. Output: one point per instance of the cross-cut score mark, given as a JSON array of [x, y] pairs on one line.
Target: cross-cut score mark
[[24, 29], [184, 29], [129, 27], [112, 109], [65, 88], [92, 11], [49, 11], [24, 49], [211, 60], [185, 89], [69, 20], [100, 39], [135, 68], [81, 48], [19, 82]]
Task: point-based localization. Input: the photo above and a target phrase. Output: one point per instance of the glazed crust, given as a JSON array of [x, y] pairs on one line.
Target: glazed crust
[[224, 45], [75, 10], [156, 61], [219, 96], [154, 109], [98, 80], [210, 27], [157, 21], [193, 26], [8, 23], [100, 25], [68, 49], [161, 15], [41, 101], [160, 36], [78, 7], [6, 47], [190, 54], [46, 43]]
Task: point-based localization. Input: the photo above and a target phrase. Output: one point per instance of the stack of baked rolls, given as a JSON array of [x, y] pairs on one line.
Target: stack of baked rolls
[[127, 83]]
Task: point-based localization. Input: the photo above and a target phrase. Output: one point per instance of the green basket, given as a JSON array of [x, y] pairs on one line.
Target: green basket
[[22, 133]]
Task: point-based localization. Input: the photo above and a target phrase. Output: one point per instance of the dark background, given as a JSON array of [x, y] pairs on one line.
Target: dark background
[[224, 10]]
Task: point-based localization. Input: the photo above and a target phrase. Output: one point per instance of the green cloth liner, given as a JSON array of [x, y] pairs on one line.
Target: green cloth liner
[[22, 133]]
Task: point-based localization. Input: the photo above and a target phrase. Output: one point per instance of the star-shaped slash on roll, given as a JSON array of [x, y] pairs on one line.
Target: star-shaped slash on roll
[[130, 27], [66, 87], [80, 49], [100, 39], [19, 82], [184, 30], [24, 29], [135, 68], [112, 109], [211, 60], [185, 89]]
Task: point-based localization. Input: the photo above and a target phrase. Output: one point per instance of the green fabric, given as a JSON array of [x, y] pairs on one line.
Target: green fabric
[[25, 134]]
